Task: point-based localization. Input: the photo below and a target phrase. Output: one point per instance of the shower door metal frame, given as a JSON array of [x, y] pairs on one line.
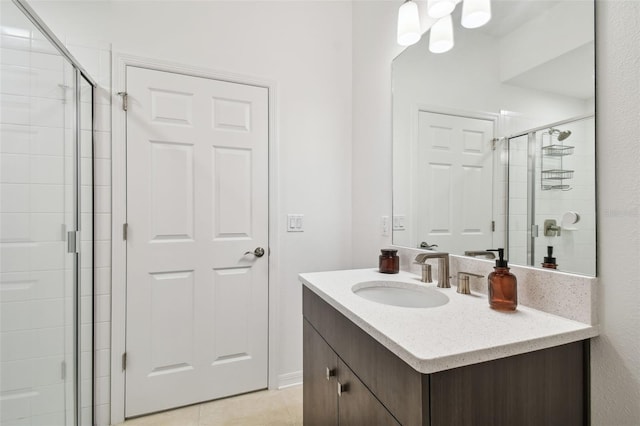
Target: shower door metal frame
[[531, 161], [532, 229], [554, 124]]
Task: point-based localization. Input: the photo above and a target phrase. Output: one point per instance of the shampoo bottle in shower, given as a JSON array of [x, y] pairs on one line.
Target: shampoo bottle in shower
[[503, 286], [549, 260]]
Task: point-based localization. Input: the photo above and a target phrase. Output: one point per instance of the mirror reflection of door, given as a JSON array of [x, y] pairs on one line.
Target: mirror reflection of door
[[454, 176]]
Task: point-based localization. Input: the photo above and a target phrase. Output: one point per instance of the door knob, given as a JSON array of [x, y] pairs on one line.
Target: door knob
[[259, 252]]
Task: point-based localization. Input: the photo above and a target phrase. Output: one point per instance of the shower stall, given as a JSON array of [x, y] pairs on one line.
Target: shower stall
[[46, 222], [551, 195]]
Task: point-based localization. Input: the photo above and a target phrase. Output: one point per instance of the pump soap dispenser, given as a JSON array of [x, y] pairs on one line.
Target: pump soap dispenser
[[503, 286]]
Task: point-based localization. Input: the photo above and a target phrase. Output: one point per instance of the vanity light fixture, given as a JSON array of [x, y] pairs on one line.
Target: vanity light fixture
[[408, 24], [475, 13], [440, 8], [441, 37]]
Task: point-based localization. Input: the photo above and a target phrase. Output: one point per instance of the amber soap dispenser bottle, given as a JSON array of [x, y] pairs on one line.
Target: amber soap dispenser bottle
[[503, 286]]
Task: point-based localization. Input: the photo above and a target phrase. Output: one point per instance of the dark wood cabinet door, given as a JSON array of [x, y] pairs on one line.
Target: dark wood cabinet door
[[357, 404], [545, 387], [381, 371], [320, 395]]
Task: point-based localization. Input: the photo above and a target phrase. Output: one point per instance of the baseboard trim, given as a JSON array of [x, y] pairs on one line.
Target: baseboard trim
[[289, 379]]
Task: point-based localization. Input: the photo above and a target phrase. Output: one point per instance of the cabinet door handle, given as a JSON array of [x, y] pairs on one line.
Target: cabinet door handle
[[330, 373], [342, 388]]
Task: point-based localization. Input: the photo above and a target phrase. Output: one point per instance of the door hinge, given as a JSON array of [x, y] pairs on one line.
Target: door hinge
[[493, 226], [125, 100], [495, 141], [124, 361], [125, 228], [63, 370], [72, 242]]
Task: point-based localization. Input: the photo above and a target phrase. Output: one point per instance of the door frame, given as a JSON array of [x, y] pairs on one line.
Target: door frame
[[119, 213], [497, 193]]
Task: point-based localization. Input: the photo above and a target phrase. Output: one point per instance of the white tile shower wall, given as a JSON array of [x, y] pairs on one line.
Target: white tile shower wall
[[500, 194], [517, 204]]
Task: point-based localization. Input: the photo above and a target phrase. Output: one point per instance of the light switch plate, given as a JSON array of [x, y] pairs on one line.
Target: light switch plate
[[295, 223], [384, 225], [399, 223]]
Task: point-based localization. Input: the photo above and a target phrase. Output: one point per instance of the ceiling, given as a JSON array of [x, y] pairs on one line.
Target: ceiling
[[508, 15], [578, 63]]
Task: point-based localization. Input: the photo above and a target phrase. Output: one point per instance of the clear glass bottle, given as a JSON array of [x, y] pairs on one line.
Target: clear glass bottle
[[389, 262], [503, 285]]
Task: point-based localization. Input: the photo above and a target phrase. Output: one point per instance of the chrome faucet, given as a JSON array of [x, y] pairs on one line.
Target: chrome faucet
[[443, 266], [426, 245], [477, 253], [463, 281], [426, 272]]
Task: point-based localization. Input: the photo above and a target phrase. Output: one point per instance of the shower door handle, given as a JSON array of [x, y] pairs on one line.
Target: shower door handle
[[72, 242]]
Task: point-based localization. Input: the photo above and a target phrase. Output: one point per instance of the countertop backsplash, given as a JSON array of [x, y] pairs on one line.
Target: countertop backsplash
[[567, 295]]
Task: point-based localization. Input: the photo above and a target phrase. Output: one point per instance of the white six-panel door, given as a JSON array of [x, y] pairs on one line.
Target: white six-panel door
[[197, 201], [454, 181]]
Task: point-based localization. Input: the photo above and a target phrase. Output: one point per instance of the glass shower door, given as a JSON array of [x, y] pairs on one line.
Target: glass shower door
[[40, 247], [518, 221]]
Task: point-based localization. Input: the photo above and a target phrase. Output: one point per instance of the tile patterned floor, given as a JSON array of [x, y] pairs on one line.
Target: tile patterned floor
[[263, 408]]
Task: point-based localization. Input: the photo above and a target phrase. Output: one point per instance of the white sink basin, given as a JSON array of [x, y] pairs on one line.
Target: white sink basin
[[398, 293]]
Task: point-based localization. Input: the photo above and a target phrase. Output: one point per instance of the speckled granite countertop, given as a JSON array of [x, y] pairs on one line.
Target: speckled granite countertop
[[462, 332]]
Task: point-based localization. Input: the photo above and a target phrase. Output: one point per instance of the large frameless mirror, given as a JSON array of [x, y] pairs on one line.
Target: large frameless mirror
[[494, 140]]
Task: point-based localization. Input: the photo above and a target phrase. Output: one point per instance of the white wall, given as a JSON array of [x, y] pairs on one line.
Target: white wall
[[305, 48], [615, 354], [615, 368], [374, 47]]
